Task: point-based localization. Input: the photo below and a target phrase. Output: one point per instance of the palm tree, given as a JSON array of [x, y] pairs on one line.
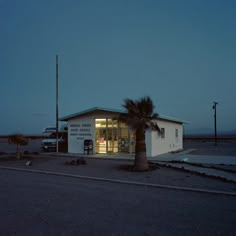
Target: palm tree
[[140, 116], [17, 139]]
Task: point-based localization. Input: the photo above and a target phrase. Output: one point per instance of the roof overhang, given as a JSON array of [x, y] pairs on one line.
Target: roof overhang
[[90, 111], [113, 111]]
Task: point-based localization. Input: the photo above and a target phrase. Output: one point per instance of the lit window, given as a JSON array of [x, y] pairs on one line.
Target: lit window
[[100, 123]]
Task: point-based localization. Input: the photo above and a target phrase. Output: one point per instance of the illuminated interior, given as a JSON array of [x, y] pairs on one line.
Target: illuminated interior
[[113, 136]]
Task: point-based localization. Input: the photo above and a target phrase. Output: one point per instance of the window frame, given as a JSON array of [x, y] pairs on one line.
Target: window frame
[[176, 133], [162, 133]]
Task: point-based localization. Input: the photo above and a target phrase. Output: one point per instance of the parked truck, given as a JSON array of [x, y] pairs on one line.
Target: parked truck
[[49, 143]]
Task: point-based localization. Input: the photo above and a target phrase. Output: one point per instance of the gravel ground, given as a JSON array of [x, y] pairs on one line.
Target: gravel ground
[[112, 169]]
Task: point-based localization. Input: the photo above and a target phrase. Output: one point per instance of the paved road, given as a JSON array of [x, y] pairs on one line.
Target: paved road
[[37, 204]]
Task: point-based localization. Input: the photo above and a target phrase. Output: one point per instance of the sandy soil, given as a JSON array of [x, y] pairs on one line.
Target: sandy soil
[[111, 169]]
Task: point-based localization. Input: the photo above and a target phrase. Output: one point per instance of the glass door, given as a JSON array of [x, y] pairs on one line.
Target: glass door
[[100, 135], [113, 136], [112, 143]]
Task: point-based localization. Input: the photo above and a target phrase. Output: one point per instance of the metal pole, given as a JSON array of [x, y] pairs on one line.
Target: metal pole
[[215, 121], [56, 103]]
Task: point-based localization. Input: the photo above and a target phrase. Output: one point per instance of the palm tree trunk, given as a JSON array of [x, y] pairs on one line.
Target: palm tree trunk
[[140, 163]]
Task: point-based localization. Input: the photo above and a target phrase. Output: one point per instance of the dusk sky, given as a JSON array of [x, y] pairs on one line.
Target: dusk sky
[[181, 53]]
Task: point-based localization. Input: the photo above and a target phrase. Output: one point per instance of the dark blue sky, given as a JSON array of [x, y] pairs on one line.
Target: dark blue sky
[[180, 53]]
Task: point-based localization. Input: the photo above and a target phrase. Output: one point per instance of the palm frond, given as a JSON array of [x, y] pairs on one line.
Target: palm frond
[[139, 113]]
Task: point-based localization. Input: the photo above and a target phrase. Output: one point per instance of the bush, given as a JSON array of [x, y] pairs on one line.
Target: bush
[[18, 140]]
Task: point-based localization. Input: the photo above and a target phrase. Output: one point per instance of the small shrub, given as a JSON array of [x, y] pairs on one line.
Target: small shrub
[[77, 162], [18, 140]]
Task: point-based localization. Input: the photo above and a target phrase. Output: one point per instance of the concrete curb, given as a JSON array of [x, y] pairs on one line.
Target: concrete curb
[[89, 156], [123, 182], [169, 165], [204, 165]]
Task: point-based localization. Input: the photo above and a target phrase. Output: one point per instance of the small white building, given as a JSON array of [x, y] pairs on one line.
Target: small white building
[[108, 135]]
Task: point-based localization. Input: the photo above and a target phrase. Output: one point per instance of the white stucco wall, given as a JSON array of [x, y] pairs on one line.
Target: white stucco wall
[[78, 131], [157, 145]]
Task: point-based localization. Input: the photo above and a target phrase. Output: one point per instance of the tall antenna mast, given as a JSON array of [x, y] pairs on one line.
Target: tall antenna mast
[[56, 103], [214, 108]]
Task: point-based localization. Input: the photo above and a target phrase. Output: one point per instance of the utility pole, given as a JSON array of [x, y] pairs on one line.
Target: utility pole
[[214, 108], [56, 103]]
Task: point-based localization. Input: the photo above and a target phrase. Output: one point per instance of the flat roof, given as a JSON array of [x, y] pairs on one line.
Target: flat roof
[[117, 111]]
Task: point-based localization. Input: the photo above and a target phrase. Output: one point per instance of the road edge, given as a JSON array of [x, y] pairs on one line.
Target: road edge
[[122, 181]]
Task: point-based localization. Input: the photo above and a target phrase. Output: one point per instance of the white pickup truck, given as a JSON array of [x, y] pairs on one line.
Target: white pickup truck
[[49, 144]]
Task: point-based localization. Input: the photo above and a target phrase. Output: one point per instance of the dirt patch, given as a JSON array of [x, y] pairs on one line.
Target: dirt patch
[[121, 170], [131, 168]]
